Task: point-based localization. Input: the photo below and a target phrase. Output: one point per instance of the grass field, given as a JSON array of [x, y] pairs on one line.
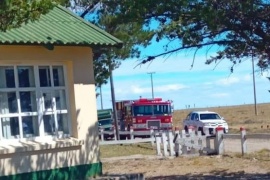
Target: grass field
[[236, 116]]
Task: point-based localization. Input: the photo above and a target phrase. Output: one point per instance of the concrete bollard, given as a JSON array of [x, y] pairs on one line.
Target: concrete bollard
[[191, 138], [158, 145], [177, 145], [152, 136], [171, 144], [131, 133], [165, 144], [243, 140], [219, 143], [102, 134], [114, 134], [184, 148]]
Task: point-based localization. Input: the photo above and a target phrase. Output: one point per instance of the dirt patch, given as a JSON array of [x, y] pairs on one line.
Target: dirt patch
[[232, 165], [228, 166]]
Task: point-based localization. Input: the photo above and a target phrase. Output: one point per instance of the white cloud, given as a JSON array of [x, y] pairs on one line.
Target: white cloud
[[247, 77], [227, 81], [220, 95], [170, 87]]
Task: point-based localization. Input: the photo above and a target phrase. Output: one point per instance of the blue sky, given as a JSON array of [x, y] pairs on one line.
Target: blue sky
[[174, 79]]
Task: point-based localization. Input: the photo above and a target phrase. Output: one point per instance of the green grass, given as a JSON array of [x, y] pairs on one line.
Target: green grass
[[127, 150], [262, 155], [236, 116]]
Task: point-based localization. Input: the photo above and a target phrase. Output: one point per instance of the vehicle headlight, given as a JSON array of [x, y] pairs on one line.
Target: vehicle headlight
[[206, 124]]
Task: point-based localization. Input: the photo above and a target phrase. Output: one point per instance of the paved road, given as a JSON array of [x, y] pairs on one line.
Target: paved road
[[234, 145]]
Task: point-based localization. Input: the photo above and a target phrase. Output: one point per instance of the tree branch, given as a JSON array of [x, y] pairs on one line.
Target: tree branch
[[150, 58]]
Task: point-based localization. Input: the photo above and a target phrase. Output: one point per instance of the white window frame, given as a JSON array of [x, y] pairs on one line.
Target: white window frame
[[37, 89]]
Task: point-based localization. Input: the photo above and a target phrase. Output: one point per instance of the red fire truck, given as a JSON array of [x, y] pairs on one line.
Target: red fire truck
[[144, 114]]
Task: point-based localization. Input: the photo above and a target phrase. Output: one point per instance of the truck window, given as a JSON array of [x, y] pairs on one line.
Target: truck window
[[193, 116], [143, 110], [162, 109], [196, 117], [209, 116]]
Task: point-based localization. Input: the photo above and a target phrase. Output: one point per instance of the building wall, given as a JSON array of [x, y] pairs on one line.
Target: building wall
[[83, 111]]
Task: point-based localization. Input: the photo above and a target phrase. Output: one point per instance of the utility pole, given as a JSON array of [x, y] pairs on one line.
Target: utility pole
[[101, 101], [151, 74], [113, 103], [252, 59], [254, 85]]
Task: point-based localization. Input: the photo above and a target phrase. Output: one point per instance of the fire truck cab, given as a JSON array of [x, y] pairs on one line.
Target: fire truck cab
[[144, 114]]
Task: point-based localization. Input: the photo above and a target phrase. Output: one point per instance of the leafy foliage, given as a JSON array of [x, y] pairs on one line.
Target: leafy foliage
[[106, 16], [240, 28], [15, 12]]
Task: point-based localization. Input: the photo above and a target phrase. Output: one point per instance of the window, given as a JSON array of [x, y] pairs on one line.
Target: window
[[143, 110], [162, 109], [209, 116], [193, 116], [33, 102]]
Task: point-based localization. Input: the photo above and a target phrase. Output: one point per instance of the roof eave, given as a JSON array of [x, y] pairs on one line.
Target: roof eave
[[117, 45]]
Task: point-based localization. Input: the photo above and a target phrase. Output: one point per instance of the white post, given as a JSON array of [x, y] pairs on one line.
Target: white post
[[199, 141], [101, 134], [206, 131], [184, 147], [177, 146], [114, 133], [243, 140], [158, 142], [219, 143], [172, 153], [192, 141], [208, 144], [165, 144], [131, 133], [152, 136]]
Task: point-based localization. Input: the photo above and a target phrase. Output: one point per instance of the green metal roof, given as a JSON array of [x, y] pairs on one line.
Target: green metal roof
[[59, 27]]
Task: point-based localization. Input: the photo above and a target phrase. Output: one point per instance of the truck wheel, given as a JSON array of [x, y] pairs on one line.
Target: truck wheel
[[201, 129]]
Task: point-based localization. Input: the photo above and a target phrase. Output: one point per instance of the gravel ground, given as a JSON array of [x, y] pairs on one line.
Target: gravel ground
[[228, 166]]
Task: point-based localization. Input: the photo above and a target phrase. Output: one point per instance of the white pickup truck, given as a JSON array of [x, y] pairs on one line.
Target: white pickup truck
[[205, 121]]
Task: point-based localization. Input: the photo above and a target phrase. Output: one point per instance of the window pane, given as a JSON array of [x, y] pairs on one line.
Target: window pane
[[60, 98], [28, 101], [47, 98], [44, 76], [58, 76], [8, 103], [26, 76], [30, 126], [10, 127], [7, 79], [62, 123], [49, 124]]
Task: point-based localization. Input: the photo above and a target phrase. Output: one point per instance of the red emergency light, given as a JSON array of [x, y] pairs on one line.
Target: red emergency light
[[149, 100]]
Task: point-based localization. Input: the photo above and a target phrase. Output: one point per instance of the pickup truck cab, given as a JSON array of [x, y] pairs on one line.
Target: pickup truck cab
[[205, 121]]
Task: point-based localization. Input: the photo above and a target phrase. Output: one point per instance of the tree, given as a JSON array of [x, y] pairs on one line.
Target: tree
[[132, 34], [240, 28], [13, 13]]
